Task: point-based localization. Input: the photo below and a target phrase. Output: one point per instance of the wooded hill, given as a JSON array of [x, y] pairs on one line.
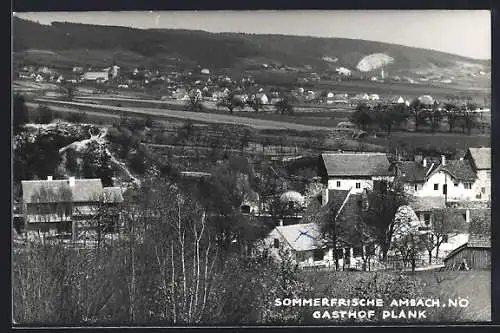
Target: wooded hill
[[72, 43]]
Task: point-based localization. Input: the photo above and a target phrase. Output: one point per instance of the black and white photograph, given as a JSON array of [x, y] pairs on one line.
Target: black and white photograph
[[251, 168]]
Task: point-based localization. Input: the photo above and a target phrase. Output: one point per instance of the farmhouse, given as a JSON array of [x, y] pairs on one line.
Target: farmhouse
[[359, 171], [304, 244], [466, 179], [480, 159], [96, 76], [64, 206]]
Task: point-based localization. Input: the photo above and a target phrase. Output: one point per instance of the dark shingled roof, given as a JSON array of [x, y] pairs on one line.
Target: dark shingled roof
[[481, 157], [460, 169], [356, 164], [412, 172], [84, 189]]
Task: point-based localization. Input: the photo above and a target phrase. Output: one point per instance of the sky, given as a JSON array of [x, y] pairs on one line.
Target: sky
[[462, 32]]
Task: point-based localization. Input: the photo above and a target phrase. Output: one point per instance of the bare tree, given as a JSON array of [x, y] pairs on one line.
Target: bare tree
[[446, 223], [452, 115], [384, 203], [255, 103]]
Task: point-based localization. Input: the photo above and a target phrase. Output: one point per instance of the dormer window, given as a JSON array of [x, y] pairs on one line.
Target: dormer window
[[467, 186]]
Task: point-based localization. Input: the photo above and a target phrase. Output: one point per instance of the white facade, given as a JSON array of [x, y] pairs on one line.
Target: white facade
[[435, 184], [356, 184], [482, 186], [96, 76], [279, 246]]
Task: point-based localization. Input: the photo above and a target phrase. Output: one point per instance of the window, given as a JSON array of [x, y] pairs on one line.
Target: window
[[455, 184], [358, 185], [445, 239], [276, 243], [427, 218], [436, 187], [338, 183], [483, 190], [318, 255], [416, 187], [468, 186], [245, 209]]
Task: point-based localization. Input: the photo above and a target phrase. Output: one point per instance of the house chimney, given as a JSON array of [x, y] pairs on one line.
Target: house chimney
[[424, 162], [324, 197], [49, 178], [467, 215], [280, 221], [443, 160], [72, 181]]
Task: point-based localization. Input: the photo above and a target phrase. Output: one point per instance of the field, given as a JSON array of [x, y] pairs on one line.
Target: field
[[429, 141], [478, 93]]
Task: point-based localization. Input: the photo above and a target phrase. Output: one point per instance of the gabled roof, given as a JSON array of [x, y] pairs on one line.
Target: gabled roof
[[474, 242], [481, 158], [356, 164], [425, 204], [84, 190], [301, 237], [412, 172], [460, 169]]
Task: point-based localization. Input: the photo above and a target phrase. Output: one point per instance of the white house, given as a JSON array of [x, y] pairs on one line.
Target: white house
[[359, 171], [205, 71], [374, 97], [62, 206], [455, 180], [480, 159], [96, 76], [304, 244]]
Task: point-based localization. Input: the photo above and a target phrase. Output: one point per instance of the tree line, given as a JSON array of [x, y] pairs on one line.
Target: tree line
[[387, 117], [232, 101]]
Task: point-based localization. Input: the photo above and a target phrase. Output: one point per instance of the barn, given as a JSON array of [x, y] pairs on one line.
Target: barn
[[476, 253]]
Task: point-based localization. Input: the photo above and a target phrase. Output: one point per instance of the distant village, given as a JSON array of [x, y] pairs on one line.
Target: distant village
[[216, 86]]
